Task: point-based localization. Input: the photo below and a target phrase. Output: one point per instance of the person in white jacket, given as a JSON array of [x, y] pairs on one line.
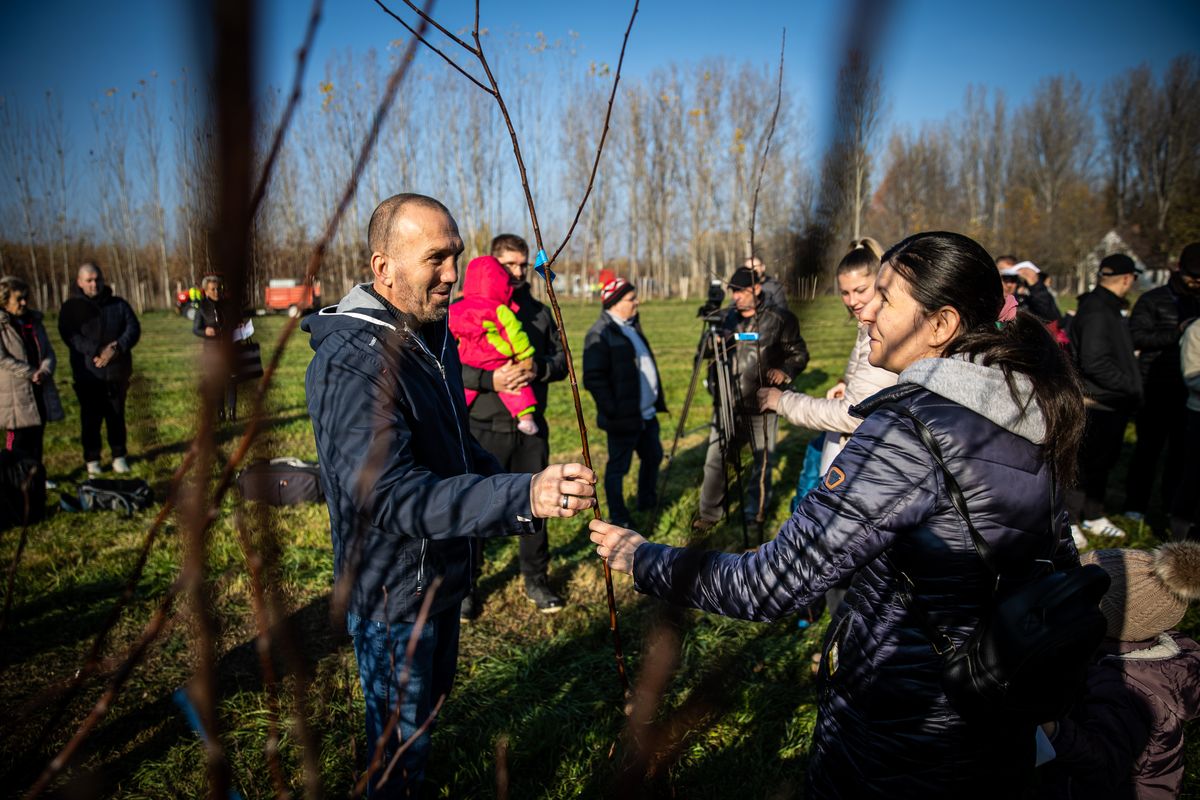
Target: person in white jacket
[[831, 413]]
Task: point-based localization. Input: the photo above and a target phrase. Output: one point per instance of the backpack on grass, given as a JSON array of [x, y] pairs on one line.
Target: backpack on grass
[[124, 495]]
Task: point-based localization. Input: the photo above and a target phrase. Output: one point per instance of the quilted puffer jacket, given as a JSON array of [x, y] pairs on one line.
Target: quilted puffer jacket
[[885, 727]]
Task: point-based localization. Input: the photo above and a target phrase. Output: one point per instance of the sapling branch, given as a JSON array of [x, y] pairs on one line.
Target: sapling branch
[[494, 91]]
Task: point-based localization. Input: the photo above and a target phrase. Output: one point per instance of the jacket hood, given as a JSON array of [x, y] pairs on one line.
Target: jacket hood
[[984, 390], [487, 278]]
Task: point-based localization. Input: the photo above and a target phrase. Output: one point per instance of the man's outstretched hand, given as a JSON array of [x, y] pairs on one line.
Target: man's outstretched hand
[[562, 490]]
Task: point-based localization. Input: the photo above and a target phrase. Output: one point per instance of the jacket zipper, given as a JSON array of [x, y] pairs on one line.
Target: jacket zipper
[[462, 450]]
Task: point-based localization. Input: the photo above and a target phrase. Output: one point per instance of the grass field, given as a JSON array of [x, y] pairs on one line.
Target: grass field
[[541, 689]]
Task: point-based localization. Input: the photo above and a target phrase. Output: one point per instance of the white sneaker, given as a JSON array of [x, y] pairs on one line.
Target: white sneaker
[[93, 468], [120, 464], [1101, 526], [527, 426], [51, 484], [1081, 541]]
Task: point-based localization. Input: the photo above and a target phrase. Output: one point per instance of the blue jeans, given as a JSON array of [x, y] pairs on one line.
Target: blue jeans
[[376, 644], [621, 447]]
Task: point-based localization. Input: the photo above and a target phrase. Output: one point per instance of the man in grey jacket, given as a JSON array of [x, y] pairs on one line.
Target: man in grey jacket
[[407, 485]]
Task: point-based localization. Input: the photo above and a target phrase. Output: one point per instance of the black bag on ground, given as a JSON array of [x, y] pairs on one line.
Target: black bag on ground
[[1028, 657], [281, 482], [124, 494], [22, 486], [247, 362]]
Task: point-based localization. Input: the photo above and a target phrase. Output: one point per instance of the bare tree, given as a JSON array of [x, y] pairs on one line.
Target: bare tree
[[1119, 109], [60, 180], [1168, 134], [19, 153], [859, 114], [150, 141]]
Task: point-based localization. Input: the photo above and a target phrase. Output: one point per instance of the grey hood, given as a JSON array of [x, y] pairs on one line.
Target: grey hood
[[984, 390]]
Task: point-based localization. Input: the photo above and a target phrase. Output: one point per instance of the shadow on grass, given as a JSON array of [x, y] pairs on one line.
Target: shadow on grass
[[538, 695], [140, 733]]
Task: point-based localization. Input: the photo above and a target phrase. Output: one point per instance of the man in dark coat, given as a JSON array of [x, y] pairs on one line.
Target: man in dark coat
[[1156, 324], [406, 484], [495, 428], [620, 371], [751, 330], [1112, 387], [100, 330]]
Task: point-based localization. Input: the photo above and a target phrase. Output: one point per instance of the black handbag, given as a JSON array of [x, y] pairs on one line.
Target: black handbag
[[247, 362], [1027, 659], [281, 482]]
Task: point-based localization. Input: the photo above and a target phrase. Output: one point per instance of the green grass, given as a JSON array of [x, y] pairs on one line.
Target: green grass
[[544, 686]]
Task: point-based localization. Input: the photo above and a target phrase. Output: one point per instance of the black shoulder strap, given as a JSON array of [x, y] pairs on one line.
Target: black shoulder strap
[[956, 496]]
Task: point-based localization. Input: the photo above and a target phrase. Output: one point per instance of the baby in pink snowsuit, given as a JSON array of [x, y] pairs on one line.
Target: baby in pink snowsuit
[[490, 335]]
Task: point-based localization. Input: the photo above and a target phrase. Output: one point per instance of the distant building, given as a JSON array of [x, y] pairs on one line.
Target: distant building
[[1114, 242]]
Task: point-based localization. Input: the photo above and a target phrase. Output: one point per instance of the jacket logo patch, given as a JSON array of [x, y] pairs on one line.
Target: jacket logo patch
[[834, 478]]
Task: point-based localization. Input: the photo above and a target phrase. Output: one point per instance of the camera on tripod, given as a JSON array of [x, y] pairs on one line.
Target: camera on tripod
[[712, 304]]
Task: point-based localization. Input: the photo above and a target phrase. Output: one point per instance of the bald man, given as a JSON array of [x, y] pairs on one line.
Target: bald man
[[100, 330], [407, 485]]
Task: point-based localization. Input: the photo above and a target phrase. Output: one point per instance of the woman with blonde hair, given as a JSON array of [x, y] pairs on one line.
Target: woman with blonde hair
[[28, 397], [831, 413]]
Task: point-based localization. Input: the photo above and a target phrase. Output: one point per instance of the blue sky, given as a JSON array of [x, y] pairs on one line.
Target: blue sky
[[930, 50]]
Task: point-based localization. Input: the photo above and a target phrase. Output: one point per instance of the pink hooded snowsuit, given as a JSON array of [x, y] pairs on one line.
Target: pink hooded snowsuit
[[488, 332]]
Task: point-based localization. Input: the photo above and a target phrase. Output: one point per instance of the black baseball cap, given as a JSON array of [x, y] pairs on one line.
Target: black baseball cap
[[1189, 260], [743, 278], [1118, 264]]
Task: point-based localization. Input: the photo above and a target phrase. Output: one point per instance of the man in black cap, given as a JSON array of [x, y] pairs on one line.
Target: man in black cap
[[1112, 387], [764, 349], [1156, 324], [620, 371]]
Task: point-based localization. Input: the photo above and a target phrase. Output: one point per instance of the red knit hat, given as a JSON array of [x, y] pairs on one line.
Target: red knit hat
[[612, 292]]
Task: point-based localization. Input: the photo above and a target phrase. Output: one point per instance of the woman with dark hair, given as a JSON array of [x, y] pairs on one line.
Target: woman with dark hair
[[1004, 408], [28, 397]]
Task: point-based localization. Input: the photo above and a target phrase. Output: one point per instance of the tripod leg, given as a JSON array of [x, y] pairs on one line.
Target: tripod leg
[[679, 430]]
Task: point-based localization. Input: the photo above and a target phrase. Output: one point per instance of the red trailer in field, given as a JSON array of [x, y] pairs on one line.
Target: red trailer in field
[[290, 295]]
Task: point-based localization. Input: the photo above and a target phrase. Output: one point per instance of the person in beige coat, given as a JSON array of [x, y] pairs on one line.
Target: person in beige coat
[[28, 397], [831, 413]]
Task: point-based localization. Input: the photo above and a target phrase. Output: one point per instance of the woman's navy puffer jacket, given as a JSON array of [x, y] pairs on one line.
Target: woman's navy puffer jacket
[[885, 727]]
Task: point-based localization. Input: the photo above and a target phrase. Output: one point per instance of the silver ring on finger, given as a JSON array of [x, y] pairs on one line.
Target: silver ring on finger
[[565, 502]]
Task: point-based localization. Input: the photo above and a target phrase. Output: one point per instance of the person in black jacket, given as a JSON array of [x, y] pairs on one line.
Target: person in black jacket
[[1032, 293], [213, 315], [100, 330], [1156, 324], [765, 349], [1112, 386], [406, 484], [620, 372], [495, 428]]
